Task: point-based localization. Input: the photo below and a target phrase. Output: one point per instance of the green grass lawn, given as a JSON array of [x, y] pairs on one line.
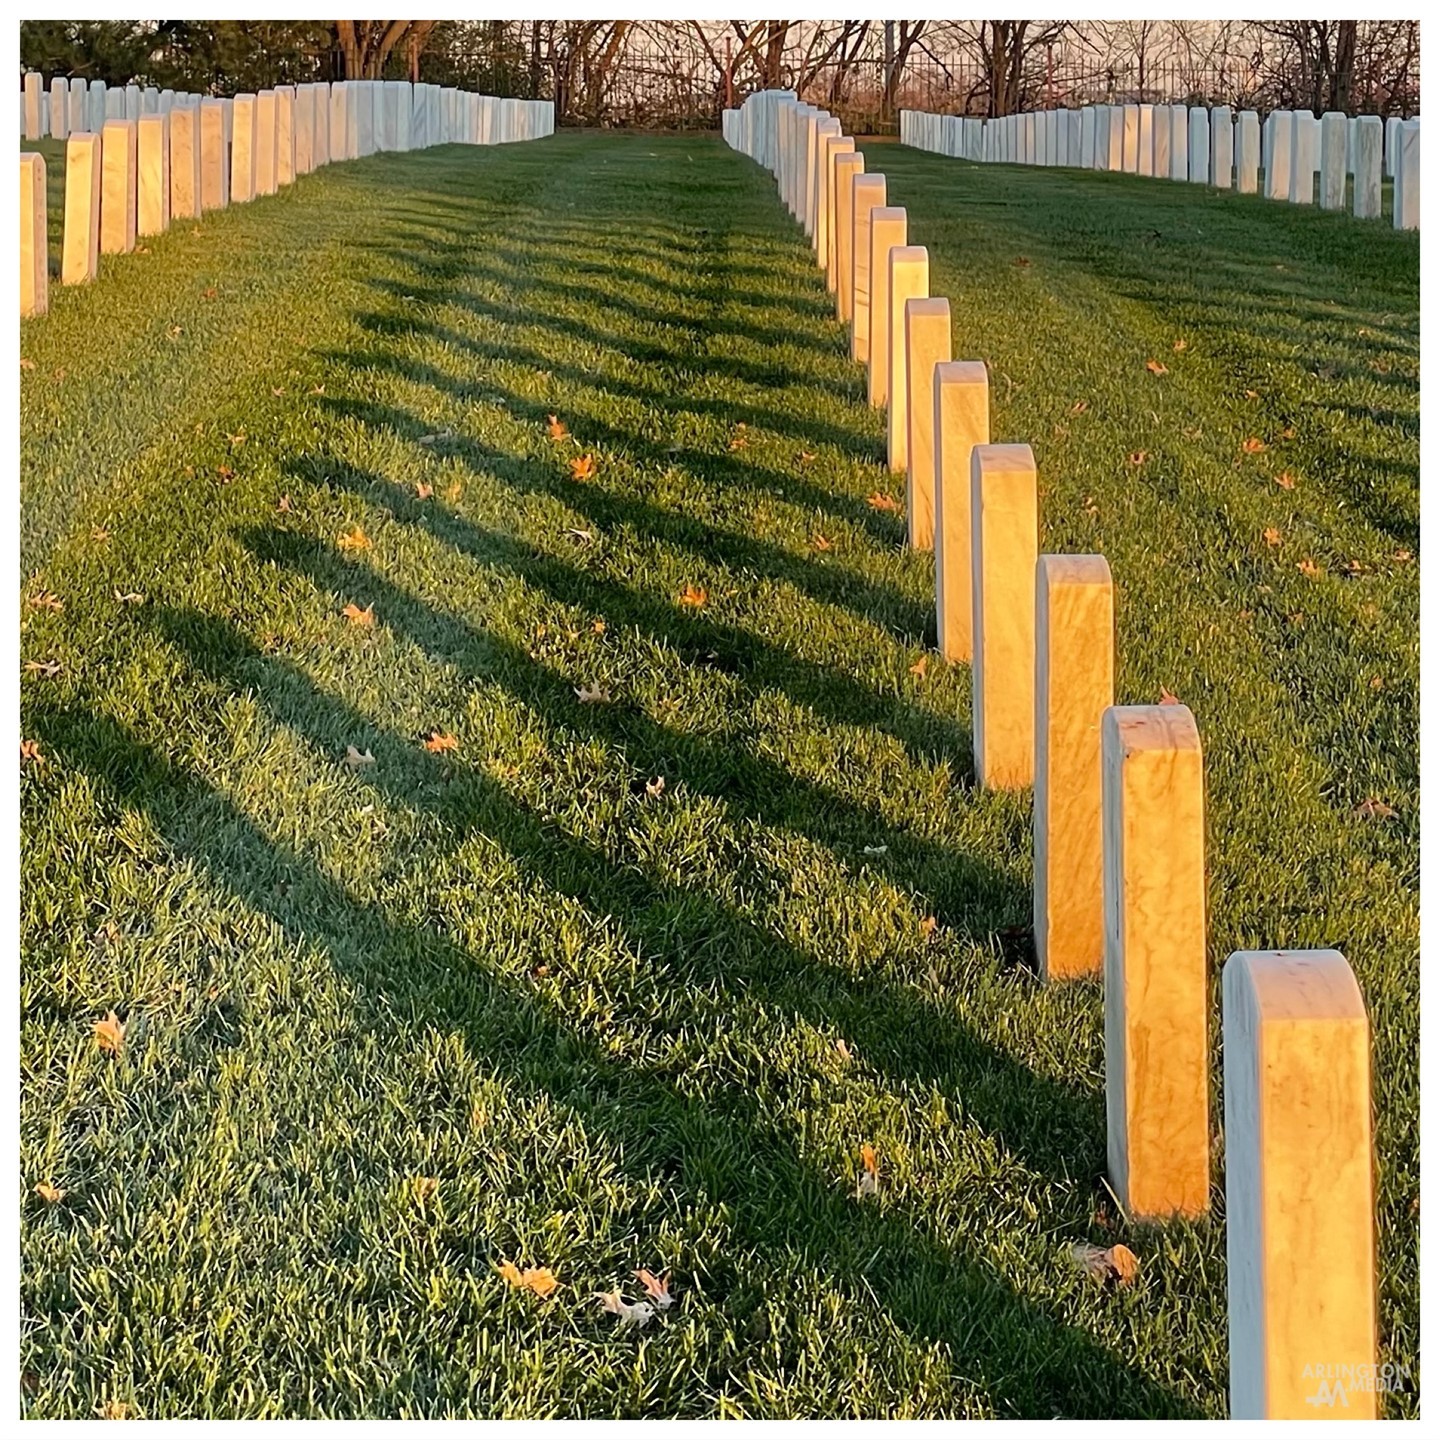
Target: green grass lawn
[[390, 1026]]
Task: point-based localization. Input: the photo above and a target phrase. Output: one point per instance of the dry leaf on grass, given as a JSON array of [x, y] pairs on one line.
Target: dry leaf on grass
[[1118, 1263], [557, 428], [109, 1033], [844, 1051], [613, 1303], [30, 753], [920, 666], [821, 542], [1253, 446], [1179, 345], [582, 467], [1308, 568], [876, 849], [1155, 367], [1271, 536], [1079, 407], [1166, 698], [929, 927], [1285, 480], [592, 695], [1137, 457], [883, 502], [358, 759], [694, 596], [538, 1280], [353, 539], [655, 788], [356, 616], [46, 600], [868, 1182], [440, 741], [1374, 808], [436, 438], [50, 1193], [424, 491], [657, 1288]]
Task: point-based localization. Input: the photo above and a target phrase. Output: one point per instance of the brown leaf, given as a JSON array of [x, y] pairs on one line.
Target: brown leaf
[[423, 491], [655, 788], [441, 741], [1179, 345], [1288, 433], [99, 534], [129, 597], [929, 927], [920, 666], [844, 1051], [1376, 809], [356, 616], [209, 293], [1119, 1262], [354, 539], [1308, 568], [592, 695], [737, 442], [1402, 557], [883, 502], [1155, 367], [26, 364], [358, 759], [50, 1193], [1271, 536], [423, 1187], [541, 1281], [657, 1288], [1079, 407], [695, 596], [806, 456], [113, 1410], [613, 1303], [1166, 698], [48, 668], [821, 542], [1285, 480], [30, 754], [109, 1033], [557, 428], [283, 505], [582, 467], [598, 627], [1138, 457], [1253, 446], [46, 600]]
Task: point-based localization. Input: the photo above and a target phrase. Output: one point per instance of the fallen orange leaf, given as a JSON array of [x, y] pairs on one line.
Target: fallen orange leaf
[[920, 666], [51, 1194], [1285, 480], [1179, 346], [1166, 698], [557, 428], [1156, 368], [883, 502], [1308, 568], [582, 467], [1272, 536], [694, 595], [440, 741], [657, 1288], [821, 542], [424, 491], [1138, 457], [1253, 446], [30, 753], [354, 539], [356, 616], [109, 1033]]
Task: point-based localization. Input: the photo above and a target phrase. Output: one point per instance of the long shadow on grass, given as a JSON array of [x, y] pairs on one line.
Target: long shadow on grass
[[926, 735], [727, 1147]]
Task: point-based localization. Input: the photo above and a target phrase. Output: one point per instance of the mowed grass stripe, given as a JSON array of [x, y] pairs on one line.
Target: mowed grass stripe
[[604, 1020]]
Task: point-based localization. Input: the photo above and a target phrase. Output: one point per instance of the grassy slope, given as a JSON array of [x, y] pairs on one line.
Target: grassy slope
[[606, 1021]]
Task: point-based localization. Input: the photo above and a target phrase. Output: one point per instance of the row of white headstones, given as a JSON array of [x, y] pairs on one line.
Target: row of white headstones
[[136, 160], [1211, 146], [1119, 844]]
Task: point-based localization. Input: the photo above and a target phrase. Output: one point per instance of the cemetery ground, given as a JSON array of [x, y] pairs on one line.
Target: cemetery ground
[[561, 849]]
